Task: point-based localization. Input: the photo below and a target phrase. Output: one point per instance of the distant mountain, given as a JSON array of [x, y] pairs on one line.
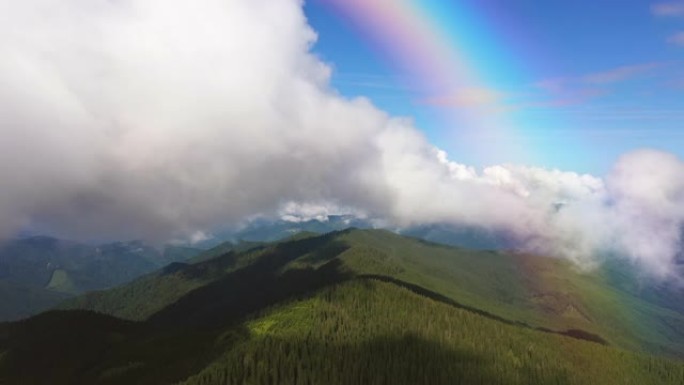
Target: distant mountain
[[270, 230], [354, 306], [38, 272], [265, 230], [469, 237]]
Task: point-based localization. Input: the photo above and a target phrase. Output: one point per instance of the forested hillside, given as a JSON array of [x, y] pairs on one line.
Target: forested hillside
[[356, 306], [371, 332], [362, 331], [536, 291]]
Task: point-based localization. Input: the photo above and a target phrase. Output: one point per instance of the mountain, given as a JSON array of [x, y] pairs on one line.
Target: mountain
[[38, 272], [353, 306], [20, 301], [271, 230], [536, 291], [265, 230], [469, 237]]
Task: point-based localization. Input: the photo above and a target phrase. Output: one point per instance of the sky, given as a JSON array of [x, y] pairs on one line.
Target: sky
[[581, 81], [552, 122]]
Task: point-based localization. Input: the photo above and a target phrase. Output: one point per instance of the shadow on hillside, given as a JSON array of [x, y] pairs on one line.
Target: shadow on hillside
[[256, 286], [573, 333], [85, 348], [409, 359], [56, 346]]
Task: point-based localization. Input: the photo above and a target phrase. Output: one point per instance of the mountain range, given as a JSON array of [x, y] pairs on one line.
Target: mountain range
[[356, 306], [38, 272]]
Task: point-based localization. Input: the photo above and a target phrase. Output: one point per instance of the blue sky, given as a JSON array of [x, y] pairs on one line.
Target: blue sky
[[585, 81]]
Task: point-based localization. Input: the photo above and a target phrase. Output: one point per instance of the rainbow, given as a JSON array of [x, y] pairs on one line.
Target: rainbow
[[458, 61]]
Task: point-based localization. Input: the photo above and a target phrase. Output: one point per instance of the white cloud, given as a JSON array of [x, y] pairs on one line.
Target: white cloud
[[672, 8], [302, 212], [166, 119], [677, 38], [198, 236], [153, 117]]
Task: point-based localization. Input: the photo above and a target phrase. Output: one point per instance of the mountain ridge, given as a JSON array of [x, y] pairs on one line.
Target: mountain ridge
[[540, 292], [340, 308]]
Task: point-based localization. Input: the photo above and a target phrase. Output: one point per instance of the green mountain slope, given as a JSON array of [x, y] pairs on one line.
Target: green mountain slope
[[538, 291], [347, 307], [358, 331], [149, 294], [535, 291], [353, 306], [373, 332]]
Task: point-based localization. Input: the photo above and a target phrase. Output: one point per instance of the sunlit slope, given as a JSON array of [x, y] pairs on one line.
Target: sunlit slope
[[364, 332], [536, 291]]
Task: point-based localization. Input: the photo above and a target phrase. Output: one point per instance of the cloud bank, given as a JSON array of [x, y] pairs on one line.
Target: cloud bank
[[164, 119]]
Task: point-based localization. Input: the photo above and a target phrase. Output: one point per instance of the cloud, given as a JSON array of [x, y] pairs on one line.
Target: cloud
[[468, 97], [609, 76], [647, 208], [164, 119], [677, 38], [619, 74], [302, 212], [636, 212], [674, 8], [580, 89], [156, 118]]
